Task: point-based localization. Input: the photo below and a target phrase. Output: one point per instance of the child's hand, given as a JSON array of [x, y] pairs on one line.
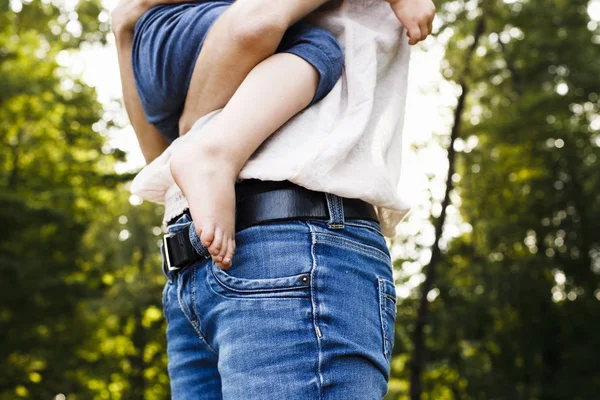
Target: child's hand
[[416, 16]]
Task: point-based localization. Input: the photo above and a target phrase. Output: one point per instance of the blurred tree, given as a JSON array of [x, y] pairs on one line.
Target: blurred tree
[[514, 309], [79, 292], [509, 310], [126, 356]]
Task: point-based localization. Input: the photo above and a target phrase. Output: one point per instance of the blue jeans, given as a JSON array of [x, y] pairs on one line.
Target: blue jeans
[[167, 41], [306, 312]]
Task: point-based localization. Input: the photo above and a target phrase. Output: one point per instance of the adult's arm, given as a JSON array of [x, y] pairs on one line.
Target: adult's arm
[[151, 142]]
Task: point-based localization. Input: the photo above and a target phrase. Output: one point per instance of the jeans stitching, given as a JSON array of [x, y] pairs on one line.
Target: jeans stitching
[[250, 296], [365, 226], [355, 223], [165, 300], [336, 211], [195, 309], [332, 211], [340, 209], [391, 298], [361, 248], [262, 290], [388, 342], [315, 307], [189, 317], [340, 205], [384, 322]]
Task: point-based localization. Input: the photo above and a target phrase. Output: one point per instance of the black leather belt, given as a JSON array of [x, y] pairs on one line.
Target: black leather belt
[[289, 203]]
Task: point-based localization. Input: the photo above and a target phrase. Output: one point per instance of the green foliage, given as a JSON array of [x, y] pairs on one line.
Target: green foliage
[[515, 311], [518, 307], [79, 290]]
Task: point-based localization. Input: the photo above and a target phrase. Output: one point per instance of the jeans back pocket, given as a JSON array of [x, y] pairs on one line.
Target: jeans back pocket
[[283, 287], [272, 261]]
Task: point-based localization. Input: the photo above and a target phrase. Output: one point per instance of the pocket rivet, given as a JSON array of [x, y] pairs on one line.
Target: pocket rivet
[[305, 278]]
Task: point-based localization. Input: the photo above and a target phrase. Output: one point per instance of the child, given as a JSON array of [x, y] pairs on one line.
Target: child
[[167, 41]]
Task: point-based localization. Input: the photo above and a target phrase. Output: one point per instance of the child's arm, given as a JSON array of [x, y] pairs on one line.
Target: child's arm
[[246, 34]]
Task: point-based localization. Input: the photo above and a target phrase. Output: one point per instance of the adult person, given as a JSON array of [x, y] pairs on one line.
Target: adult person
[[307, 311]]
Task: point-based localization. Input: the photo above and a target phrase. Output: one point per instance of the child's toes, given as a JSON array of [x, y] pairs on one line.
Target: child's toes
[[224, 247], [207, 234], [217, 244], [230, 252]]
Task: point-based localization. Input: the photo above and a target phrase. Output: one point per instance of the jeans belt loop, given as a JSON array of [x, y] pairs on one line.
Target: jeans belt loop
[[336, 211]]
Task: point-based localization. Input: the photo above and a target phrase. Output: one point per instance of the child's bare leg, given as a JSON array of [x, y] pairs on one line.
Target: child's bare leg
[[206, 169]]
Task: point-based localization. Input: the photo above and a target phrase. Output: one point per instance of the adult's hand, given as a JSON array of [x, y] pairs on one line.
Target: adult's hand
[[416, 16], [127, 12]]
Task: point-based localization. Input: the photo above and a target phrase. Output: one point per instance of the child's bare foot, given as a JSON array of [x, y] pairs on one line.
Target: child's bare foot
[[207, 179]]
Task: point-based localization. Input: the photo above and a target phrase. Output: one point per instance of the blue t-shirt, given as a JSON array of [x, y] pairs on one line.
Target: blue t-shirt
[[166, 43]]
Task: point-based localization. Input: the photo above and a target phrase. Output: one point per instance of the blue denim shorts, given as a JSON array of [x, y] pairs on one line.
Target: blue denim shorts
[[306, 311], [168, 39]]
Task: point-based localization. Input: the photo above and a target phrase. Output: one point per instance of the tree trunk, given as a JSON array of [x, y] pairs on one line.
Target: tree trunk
[[418, 360]]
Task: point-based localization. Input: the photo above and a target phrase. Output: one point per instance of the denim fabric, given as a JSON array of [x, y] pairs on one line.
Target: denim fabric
[[167, 41], [305, 312]]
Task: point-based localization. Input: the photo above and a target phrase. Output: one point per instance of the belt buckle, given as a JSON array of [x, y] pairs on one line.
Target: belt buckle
[[166, 251]]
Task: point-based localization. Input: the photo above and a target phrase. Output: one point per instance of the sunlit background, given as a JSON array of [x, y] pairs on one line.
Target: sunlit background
[[511, 282]]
